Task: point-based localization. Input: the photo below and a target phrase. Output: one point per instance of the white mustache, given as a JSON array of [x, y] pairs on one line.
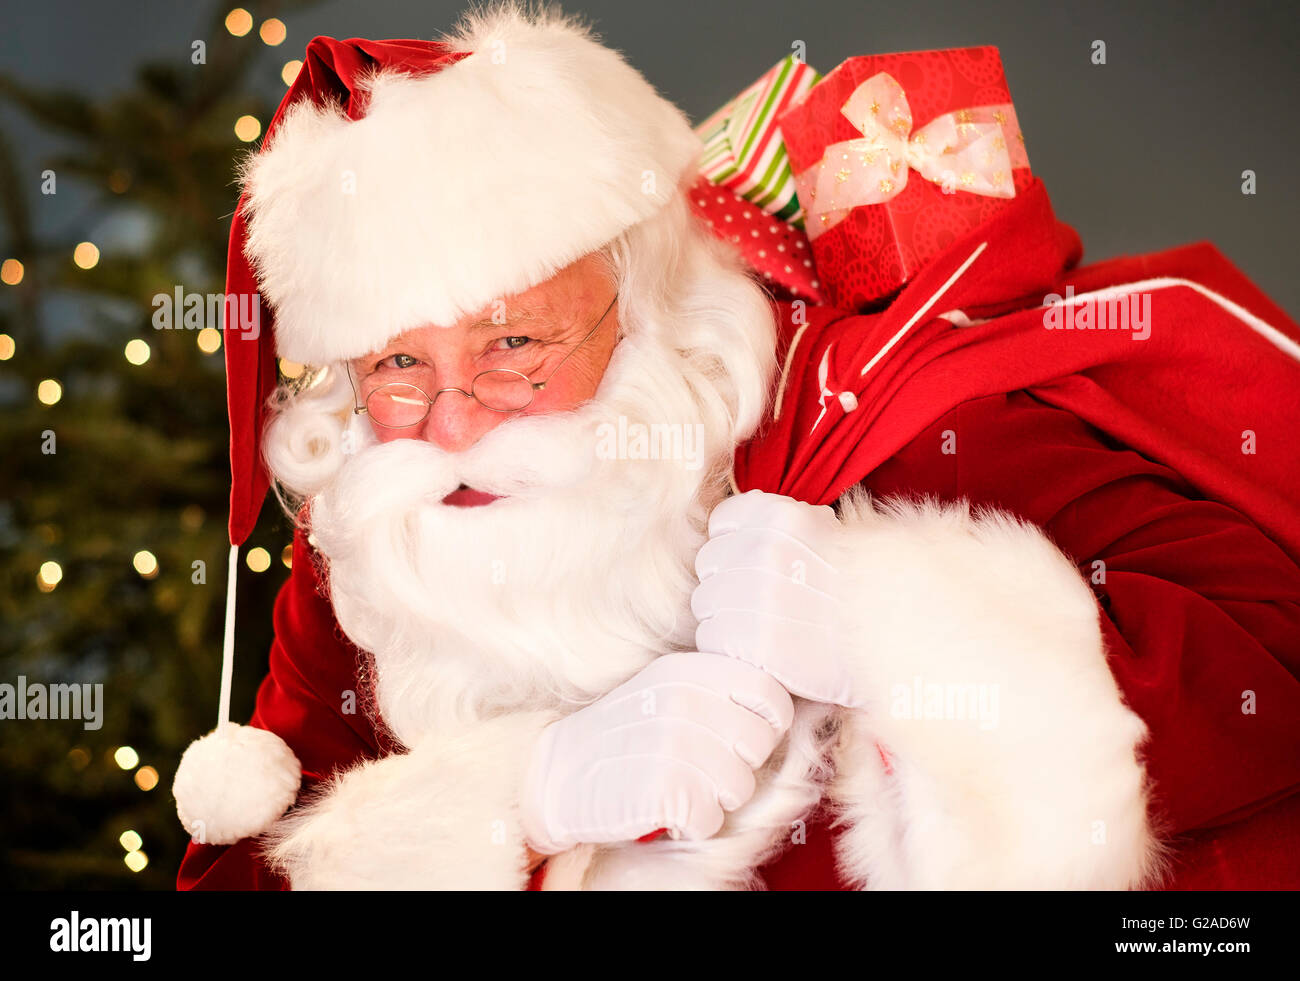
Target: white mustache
[[528, 454], [522, 457]]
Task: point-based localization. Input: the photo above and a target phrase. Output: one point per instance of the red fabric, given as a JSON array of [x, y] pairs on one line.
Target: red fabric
[[1183, 396], [1199, 605], [330, 72], [1126, 451]]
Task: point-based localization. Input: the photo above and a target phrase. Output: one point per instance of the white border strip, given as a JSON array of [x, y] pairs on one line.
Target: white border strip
[[1264, 329], [924, 308], [785, 372]]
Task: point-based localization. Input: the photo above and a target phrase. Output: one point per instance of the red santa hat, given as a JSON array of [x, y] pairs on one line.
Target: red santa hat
[[402, 183], [410, 182]]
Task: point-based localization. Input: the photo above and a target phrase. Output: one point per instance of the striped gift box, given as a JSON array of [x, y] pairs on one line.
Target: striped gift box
[[743, 150]]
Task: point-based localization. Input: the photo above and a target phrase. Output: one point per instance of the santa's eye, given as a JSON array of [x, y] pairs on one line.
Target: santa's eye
[[515, 343], [398, 361]]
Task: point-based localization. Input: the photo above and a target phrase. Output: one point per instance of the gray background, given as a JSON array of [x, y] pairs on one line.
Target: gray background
[[1143, 153]]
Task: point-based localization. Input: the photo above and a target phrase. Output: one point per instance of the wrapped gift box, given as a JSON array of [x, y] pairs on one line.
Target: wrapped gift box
[[743, 151], [896, 156]]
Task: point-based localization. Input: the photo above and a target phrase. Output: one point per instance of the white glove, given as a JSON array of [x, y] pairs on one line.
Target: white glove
[[770, 595], [673, 747]]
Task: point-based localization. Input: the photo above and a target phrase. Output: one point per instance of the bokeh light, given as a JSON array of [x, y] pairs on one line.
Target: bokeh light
[[248, 128], [209, 340], [137, 351], [258, 559], [50, 575], [146, 778], [239, 22], [272, 32], [49, 391], [86, 255], [145, 563]]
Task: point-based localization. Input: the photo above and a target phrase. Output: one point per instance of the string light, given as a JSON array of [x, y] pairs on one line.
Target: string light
[[146, 778], [286, 556], [258, 559], [137, 351], [51, 575], [126, 757], [11, 272], [289, 73], [49, 391], [136, 861], [130, 840], [6, 347], [209, 340], [248, 128], [86, 255], [239, 22], [145, 563], [272, 32]]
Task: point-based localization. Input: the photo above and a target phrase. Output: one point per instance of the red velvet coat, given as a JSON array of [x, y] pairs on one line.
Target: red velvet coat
[[1125, 452]]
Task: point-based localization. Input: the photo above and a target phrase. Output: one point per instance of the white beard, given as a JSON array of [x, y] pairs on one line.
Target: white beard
[[547, 598]]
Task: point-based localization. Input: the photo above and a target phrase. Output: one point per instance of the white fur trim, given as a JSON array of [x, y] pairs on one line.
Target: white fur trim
[[443, 816], [234, 783], [458, 188], [1045, 792]]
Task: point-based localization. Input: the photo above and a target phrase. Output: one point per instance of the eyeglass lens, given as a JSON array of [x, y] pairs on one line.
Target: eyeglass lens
[[399, 405]]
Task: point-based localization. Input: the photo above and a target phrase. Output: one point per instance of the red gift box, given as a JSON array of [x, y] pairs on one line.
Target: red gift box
[[896, 156]]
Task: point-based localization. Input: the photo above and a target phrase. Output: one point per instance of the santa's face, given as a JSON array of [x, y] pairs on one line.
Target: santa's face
[[578, 568], [451, 385]]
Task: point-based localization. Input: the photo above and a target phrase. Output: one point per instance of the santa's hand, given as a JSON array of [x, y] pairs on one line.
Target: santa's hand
[[674, 747], [769, 593]]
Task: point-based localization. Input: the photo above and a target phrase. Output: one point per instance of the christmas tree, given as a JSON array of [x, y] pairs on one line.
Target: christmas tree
[[113, 512]]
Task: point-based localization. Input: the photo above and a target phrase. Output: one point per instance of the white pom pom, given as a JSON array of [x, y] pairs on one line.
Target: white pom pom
[[234, 783]]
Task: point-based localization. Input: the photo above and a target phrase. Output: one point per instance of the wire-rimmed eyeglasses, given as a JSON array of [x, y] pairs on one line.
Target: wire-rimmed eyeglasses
[[399, 405]]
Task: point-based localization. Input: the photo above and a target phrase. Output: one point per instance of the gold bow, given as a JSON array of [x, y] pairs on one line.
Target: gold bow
[[964, 150]]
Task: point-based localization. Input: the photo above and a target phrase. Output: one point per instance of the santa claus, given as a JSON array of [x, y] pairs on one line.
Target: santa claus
[[613, 573]]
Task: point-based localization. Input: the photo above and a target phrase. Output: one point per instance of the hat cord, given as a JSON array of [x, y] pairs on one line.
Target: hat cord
[[228, 645]]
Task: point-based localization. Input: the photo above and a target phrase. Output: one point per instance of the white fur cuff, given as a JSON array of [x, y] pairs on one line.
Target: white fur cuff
[[443, 816], [1012, 759]]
